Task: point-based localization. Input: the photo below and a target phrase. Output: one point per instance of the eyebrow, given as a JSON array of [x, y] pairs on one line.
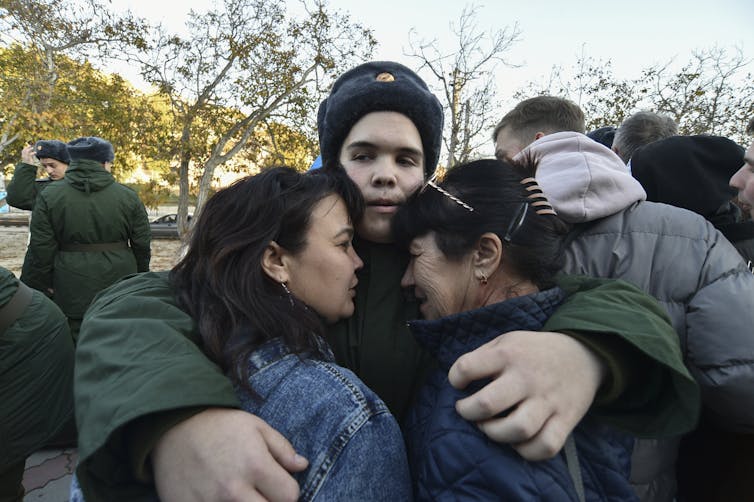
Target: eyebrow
[[346, 230]]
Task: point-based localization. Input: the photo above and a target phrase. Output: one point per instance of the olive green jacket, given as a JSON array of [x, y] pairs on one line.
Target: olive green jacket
[[36, 375], [24, 187], [139, 369], [87, 231]]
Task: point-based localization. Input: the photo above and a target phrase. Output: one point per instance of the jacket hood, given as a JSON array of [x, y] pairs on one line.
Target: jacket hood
[[583, 180], [88, 176]]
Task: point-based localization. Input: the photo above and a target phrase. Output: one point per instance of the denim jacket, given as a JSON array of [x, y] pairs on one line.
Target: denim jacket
[[353, 443]]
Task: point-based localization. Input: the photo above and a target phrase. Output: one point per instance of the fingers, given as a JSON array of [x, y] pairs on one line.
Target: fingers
[[523, 424], [547, 443], [274, 481], [487, 361], [496, 397], [545, 381], [281, 449], [228, 455]]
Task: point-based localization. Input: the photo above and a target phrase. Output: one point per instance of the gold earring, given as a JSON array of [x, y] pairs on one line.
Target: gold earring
[[483, 280]]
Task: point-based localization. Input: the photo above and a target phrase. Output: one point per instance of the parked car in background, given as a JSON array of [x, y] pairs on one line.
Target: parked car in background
[[165, 227]]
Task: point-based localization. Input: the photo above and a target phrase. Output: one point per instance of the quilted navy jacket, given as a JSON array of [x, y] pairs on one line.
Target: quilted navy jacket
[[451, 459]]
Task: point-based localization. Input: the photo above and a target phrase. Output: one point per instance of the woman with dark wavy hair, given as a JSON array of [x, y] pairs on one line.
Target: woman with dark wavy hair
[[268, 263], [485, 247]]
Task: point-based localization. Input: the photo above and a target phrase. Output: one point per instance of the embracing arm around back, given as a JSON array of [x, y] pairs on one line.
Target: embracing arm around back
[[620, 348], [137, 362]]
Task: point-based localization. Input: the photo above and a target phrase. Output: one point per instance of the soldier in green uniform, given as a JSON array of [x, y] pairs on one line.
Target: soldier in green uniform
[[24, 186], [87, 231], [36, 379]]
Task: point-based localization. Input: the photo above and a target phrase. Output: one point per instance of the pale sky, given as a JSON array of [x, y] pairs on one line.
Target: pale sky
[[633, 33]]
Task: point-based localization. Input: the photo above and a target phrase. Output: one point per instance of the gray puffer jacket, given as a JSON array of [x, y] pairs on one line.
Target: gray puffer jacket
[[676, 256]]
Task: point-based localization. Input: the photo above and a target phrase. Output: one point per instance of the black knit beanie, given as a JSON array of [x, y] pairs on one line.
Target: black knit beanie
[[603, 135], [52, 149], [91, 148], [691, 172], [379, 86]]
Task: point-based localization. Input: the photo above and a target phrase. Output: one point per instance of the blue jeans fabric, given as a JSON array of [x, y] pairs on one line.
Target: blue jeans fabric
[[354, 445]]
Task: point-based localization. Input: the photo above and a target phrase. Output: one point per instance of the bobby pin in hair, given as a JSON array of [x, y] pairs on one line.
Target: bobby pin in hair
[[517, 222], [449, 195]]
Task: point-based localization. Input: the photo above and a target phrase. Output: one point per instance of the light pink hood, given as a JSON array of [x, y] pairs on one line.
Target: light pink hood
[[583, 179]]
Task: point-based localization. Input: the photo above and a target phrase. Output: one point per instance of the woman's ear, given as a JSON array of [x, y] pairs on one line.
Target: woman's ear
[[488, 254], [274, 264]]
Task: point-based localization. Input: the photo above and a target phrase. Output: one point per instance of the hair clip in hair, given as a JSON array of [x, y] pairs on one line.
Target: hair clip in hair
[[517, 222], [447, 194], [537, 197]]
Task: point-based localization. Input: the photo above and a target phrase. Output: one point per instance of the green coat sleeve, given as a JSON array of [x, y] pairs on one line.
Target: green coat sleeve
[[43, 246], [22, 189], [141, 235], [648, 391], [137, 365]]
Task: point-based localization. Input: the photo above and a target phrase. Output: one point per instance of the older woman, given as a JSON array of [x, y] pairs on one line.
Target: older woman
[[485, 246]]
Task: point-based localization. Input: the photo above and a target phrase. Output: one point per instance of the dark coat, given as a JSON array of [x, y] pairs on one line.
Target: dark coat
[[70, 218], [451, 459], [24, 187], [36, 375]]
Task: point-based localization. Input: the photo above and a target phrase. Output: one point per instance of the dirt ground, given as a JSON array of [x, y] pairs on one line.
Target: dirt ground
[[13, 247]]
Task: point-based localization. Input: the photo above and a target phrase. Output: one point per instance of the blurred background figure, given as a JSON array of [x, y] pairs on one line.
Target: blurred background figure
[[640, 129], [36, 380], [743, 179], [693, 172], [603, 135], [24, 187], [86, 232]]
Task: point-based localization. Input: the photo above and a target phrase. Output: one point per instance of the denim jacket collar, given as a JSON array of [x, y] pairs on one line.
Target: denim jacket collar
[[273, 350]]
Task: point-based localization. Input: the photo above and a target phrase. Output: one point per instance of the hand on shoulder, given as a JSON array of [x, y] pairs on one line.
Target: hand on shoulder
[[225, 454], [545, 381]]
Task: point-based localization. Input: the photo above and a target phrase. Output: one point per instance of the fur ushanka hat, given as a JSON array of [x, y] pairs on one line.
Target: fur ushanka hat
[[380, 86], [91, 148], [52, 149]]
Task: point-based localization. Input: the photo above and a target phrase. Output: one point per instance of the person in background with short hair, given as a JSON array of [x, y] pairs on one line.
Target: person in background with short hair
[[640, 129], [87, 231]]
